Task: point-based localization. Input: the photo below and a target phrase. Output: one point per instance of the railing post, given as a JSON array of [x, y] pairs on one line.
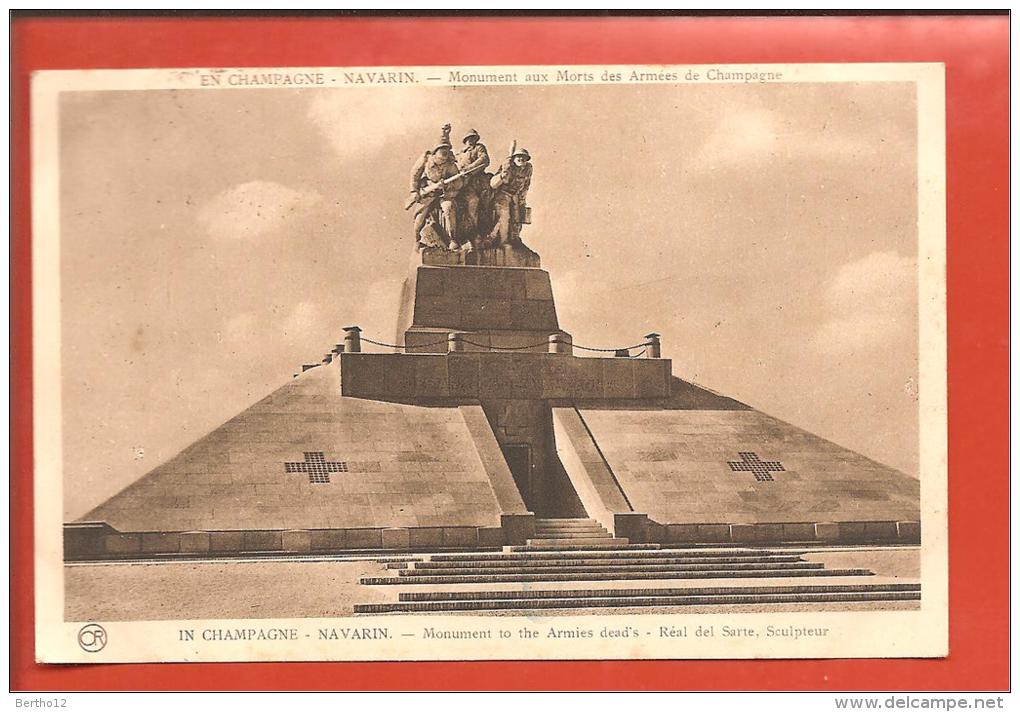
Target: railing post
[[560, 343], [454, 343], [352, 339], [653, 350]]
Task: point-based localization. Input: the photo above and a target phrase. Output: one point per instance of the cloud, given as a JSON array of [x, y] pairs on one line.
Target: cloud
[[377, 310], [868, 301], [747, 136], [253, 209], [574, 293], [304, 319], [359, 121], [743, 135], [238, 328], [296, 332], [374, 306]]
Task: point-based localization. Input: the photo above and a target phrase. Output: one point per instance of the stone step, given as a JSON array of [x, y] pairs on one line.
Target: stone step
[[572, 535], [610, 567], [574, 541], [654, 592], [637, 602], [568, 525], [634, 553], [503, 577], [564, 520], [569, 530], [621, 544], [595, 561]]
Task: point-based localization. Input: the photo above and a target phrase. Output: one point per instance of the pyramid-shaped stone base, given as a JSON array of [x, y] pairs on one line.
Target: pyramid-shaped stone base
[[308, 469], [486, 420]]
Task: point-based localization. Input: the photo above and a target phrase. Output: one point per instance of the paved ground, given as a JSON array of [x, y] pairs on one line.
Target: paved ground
[[900, 562], [264, 589], [329, 588]]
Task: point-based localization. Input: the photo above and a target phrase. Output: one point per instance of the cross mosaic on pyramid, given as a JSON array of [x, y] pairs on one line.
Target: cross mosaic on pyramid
[[762, 470], [316, 467], [480, 425]]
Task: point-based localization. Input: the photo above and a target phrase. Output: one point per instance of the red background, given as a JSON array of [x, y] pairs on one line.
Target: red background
[[975, 51]]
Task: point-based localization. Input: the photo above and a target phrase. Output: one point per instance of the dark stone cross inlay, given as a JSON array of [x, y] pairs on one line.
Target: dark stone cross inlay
[[750, 462], [316, 467]]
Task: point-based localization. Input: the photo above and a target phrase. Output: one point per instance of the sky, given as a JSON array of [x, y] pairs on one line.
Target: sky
[[212, 241]]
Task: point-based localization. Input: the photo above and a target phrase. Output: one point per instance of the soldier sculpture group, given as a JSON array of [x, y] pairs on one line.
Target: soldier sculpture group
[[459, 205]]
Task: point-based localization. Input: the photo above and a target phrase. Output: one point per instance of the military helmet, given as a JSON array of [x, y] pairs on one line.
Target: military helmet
[[521, 152], [470, 134]]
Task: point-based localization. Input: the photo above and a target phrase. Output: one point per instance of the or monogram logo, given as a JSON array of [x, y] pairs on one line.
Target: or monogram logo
[[92, 638]]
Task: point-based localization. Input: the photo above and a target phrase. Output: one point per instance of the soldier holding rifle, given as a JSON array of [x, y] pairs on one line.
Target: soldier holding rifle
[[474, 197], [510, 190], [436, 181]]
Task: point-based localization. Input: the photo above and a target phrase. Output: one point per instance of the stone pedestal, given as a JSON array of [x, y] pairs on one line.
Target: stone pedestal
[[496, 307], [512, 254]]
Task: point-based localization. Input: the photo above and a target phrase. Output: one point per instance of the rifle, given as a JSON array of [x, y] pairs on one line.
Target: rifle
[[497, 180], [438, 187]]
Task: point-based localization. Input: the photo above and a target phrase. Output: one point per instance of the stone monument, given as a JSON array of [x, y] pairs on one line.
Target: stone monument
[[466, 216], [488, 427]]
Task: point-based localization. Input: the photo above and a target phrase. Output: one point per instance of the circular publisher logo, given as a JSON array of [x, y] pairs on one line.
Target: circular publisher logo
[[92, 638]]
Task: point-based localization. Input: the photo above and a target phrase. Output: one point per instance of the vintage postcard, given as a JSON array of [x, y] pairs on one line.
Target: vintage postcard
[[468, 363]]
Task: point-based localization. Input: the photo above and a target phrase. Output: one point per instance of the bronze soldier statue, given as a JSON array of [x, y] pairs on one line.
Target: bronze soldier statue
[[474, 196], [436, 182], [510, 190]]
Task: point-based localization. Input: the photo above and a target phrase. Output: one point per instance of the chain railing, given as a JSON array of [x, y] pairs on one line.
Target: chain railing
[[556, 343]]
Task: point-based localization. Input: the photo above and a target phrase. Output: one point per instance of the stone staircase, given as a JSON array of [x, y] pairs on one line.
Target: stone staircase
[[544, 574], [525, 600], [572, 534]]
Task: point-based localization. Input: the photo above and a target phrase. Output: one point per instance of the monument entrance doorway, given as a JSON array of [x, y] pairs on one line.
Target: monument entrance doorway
[[519, 460]]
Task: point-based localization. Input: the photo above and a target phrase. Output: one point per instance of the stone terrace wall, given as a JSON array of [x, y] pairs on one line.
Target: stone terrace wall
[[479, 376]]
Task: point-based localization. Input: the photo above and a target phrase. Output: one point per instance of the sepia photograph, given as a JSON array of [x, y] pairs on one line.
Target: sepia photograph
[[492, 362]]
